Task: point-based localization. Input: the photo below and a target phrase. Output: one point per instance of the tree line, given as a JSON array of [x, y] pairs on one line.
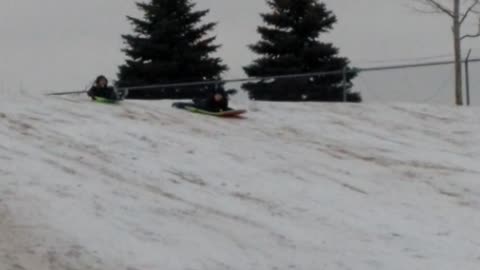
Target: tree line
[[171, 43]]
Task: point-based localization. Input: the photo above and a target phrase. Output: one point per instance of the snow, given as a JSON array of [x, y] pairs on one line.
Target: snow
[[143, 186]]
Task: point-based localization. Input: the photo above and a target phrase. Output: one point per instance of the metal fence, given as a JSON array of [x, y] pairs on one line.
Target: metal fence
[[427, 82], [431, 82]]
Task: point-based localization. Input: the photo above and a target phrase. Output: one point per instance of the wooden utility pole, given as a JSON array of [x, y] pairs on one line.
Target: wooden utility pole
[[458, 15], [457, 45]]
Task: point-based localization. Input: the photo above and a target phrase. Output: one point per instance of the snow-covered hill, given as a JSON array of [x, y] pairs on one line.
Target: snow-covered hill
[[142, 186]]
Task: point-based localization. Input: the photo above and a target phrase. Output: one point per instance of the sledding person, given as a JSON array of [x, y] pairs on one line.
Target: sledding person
[[217, 101], [101, 89]]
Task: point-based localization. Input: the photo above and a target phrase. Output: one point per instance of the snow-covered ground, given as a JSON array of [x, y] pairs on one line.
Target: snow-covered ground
[[142, 186]]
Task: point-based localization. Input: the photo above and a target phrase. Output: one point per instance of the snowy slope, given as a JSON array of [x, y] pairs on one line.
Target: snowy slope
[[295, 186]]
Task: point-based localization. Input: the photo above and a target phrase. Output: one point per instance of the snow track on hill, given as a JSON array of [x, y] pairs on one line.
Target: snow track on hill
[[142, 186]]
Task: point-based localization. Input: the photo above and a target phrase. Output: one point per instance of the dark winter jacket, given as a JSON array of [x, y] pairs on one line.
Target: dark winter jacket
[[102, 92], [211, 105]]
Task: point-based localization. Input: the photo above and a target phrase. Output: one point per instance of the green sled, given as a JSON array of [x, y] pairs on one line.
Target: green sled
[[106, 100], [231, 113]]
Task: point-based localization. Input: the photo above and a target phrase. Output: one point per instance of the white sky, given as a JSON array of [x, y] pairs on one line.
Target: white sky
[[62, 44]]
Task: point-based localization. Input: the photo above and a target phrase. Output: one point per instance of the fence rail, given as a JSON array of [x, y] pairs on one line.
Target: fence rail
[[299, 75], [392, 82]]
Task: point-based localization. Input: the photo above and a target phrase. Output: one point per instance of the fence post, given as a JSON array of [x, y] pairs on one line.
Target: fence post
[[344, 84], [467, 77]]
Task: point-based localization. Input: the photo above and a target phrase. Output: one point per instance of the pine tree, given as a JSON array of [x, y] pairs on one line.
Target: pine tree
[[169, 44], [290, 45]]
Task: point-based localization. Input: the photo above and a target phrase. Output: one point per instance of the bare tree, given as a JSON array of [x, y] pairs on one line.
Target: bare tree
[[459, 11]]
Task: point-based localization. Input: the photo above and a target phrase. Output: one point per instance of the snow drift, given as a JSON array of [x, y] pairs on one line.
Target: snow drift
[[143, 186]]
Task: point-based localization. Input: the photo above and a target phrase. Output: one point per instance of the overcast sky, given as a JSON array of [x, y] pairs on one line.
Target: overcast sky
[[62, 44]]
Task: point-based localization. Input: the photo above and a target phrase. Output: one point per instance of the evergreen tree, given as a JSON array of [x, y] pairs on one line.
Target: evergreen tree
[[290, 45], [169, 44]]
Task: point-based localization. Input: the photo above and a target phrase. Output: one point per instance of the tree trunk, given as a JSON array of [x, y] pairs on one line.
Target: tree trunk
[[458, 53]]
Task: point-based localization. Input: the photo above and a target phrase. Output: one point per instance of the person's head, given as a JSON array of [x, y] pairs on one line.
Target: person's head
[[219, 94], [218, 97], [101, 81]]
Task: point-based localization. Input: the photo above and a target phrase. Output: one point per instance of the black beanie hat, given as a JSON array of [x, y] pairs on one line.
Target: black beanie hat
[[99, 78]]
